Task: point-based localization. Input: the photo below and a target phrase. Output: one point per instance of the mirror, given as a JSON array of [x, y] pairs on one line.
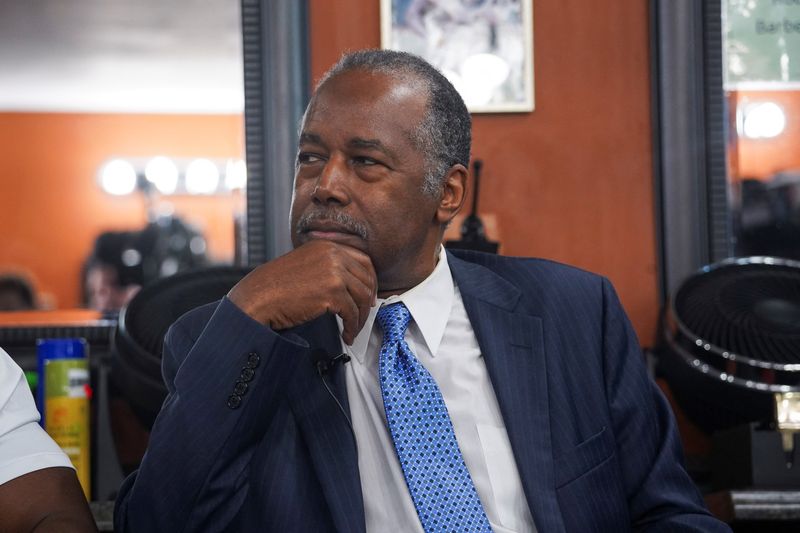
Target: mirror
[[761, 42], [88, 82], [720, 191]]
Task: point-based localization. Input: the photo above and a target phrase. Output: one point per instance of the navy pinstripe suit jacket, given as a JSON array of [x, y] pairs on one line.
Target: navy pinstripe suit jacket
[[593, 438]]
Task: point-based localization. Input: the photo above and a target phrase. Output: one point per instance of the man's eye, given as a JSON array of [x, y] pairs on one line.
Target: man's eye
[[366, 161], [304, 158]]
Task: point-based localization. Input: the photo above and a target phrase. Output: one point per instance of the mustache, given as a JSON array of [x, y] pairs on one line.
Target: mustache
[[337, 217]]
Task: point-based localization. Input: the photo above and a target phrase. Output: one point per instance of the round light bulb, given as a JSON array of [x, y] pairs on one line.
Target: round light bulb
[[163, 173], [118, 177], [202, 177], [763, 120]]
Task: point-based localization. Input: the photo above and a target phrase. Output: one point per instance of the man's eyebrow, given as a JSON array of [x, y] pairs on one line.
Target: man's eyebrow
[[312, 138], [355, 142], [371, 144]]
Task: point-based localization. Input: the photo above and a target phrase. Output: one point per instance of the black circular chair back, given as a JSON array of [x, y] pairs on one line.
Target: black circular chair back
[[143, 323]]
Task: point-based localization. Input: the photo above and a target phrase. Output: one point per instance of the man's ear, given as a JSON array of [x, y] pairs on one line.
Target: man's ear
[[454, 190]]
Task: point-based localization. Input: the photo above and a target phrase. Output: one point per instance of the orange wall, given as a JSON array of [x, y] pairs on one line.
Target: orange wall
[[761, 158], [571, 181], [51, 207]]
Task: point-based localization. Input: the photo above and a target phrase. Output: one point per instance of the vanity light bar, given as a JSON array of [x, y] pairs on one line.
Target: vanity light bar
[[172, 176]]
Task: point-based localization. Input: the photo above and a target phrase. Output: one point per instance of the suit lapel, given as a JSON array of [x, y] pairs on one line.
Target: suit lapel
[[327, 433], [513, 348]]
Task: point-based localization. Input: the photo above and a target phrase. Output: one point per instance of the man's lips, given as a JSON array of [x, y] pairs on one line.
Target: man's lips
[[326, 228], [331, 232], [330, 235]]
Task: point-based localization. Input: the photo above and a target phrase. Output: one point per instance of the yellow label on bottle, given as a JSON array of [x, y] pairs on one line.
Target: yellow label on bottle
[[67, 414]]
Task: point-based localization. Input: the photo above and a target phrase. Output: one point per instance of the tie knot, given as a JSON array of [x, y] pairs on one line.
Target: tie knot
[[394, 320]]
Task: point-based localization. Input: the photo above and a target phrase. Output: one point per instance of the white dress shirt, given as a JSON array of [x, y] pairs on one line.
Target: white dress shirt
[[442, 338], [24, 445]]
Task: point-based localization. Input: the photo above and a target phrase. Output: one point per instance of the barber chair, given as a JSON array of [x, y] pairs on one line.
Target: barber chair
[[137, 386]]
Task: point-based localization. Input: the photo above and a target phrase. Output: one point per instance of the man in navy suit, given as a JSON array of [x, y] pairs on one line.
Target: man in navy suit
[[552, 419]]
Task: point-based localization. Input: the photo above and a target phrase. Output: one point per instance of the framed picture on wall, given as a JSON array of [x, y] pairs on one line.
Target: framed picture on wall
[[484, 47]]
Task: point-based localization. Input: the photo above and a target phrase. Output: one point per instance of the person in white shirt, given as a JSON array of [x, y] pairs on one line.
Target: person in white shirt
[[39, 490]]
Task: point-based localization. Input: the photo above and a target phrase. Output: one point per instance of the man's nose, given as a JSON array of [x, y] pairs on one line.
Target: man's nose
[[331, 185]]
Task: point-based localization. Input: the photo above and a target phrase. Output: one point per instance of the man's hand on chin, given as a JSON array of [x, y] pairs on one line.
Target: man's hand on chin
[[315, 278]]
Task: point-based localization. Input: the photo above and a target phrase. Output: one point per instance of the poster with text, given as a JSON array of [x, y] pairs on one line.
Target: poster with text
[[762, 43]]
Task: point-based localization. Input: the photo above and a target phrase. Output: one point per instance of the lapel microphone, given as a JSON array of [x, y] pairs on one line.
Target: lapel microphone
[[325, 363]]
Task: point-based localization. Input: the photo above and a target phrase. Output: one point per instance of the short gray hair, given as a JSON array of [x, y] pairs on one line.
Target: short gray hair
[[445, 134]]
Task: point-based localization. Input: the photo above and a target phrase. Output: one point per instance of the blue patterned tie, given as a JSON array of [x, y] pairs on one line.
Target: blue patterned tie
[[426, 445]]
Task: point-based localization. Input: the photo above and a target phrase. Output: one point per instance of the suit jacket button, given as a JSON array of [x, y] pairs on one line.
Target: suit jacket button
[[234, 400], [247, 374], [253, 359], [239, 388]]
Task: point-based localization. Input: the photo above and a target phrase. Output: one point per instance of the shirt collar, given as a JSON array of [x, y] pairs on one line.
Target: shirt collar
[[429, 303]]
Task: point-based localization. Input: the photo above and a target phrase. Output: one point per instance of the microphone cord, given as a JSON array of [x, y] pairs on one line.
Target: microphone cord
[[321, 370]]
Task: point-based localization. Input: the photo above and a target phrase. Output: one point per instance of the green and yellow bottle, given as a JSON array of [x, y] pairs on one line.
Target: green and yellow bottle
[[64, 396]]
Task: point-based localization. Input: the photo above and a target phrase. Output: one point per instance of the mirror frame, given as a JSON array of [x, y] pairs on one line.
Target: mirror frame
[[276, 92], [689, 140]]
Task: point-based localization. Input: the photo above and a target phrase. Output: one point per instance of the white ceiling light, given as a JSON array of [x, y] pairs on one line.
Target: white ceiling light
[[118, 177], [762, 120], [163, 173], [202, 177]]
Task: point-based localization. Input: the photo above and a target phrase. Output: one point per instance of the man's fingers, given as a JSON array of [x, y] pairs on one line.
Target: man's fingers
[[303, 284], [363, 269], [349, 313], [361, 290], [363, 298], [367, 279]]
